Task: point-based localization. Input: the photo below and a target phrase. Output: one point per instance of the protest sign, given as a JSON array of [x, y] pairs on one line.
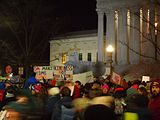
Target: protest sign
[[45, 72], [116, 78]]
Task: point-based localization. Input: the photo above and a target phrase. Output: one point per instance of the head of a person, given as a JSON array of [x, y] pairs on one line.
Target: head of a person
[[53, 91], [68, 83], [105, 88], [8, 69], [142, 91], [96, 85], [131, 91], [155, 88], [78, 83], [94, 93], [119, 92], [65, 91]]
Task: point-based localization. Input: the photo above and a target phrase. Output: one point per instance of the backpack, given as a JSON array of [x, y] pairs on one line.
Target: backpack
[[67, 113]]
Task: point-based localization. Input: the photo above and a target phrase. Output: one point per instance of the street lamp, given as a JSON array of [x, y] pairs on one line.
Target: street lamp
[[156, 25], [109, 50]]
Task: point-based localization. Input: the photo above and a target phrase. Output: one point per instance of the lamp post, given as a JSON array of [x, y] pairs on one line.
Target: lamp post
[[109, 50], [156, 25]]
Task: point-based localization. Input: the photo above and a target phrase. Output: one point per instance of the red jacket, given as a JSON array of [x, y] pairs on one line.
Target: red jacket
[[154, 108], [76, 93]]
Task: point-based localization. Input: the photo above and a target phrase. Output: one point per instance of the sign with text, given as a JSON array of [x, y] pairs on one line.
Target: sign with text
[[45, 72]]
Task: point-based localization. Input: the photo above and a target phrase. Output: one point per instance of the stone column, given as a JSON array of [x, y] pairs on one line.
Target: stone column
[[122, 37], [152, 32], [134, 47], [110, 31], [158, 32], [145, 31], [100, 36]]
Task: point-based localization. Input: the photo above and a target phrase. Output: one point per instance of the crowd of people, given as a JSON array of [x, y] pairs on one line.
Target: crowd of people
[[68, 100]]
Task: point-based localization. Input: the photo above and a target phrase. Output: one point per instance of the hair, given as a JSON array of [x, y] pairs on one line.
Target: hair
[[65, 91], [97, 82], [79, 83], [8, 65]]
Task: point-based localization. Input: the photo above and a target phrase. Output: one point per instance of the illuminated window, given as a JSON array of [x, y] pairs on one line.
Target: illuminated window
[[80, 56], [64, 58], [89, 57], [20, 70]]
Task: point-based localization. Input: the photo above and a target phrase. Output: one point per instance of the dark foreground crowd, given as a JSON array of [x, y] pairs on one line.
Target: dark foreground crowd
[[68, 100]]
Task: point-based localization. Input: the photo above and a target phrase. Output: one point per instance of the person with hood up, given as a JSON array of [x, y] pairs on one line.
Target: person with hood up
[[154, 103]]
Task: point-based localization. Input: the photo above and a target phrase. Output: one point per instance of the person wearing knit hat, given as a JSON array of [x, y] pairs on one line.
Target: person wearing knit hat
[[105, 88], [131, 91], [154, 103]]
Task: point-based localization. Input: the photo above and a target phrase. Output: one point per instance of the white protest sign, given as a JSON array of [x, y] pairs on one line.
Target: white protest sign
[[116, 78], [145, 78], [45, 72]]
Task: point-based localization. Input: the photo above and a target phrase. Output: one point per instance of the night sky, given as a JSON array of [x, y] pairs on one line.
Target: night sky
[[80, 14], [36, 21]]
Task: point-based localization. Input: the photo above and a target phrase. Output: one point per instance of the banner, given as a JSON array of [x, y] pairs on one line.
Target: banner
[[83, 77]]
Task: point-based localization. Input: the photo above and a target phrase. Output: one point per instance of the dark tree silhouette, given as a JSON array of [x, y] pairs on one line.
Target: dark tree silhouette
[[28, 24]]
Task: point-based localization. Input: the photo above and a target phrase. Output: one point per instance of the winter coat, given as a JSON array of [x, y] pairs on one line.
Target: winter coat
[[63, 110], [51, 101], [154, 108], [137, 104], [31, 80]]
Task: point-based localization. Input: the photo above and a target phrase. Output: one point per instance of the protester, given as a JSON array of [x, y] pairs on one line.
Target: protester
[[24, 106], [142, 91], [119, 101], [53, 97], [31, 80], [75, 90], [96, 85], [64, 109], [10, 78], [105, 89], [154, 103], [8, 71], [79, 85]]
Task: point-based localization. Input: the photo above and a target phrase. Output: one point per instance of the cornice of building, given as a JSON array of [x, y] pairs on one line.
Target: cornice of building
[[106, 5], [76, 34]]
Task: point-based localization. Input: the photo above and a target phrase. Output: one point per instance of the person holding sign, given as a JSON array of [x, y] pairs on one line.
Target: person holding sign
[[10, 79]]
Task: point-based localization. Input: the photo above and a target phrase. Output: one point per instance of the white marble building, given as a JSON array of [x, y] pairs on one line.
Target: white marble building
[[128, 25], [75, 46]]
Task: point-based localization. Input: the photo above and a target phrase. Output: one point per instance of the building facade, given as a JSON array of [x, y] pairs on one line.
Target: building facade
[[129, 26], [76, 47]]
